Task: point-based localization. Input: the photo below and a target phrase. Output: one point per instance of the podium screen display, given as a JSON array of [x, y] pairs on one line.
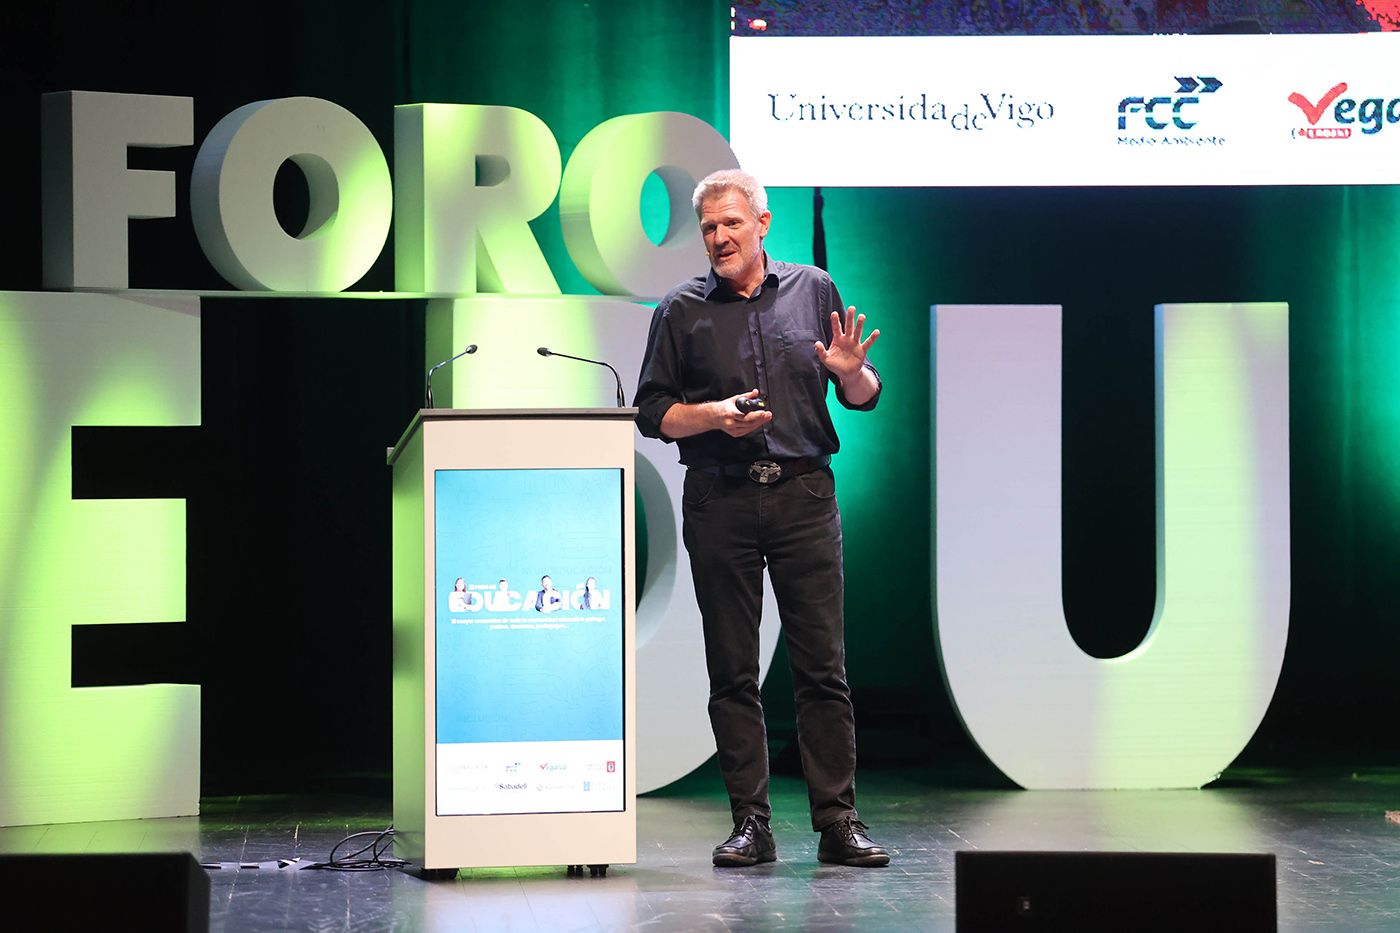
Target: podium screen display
[[529, 628]]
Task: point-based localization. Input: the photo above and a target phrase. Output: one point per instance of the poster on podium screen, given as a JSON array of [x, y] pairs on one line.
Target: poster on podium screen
[[528, 571]]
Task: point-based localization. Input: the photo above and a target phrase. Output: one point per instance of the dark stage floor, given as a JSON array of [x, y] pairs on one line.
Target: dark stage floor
[[1338, 858]]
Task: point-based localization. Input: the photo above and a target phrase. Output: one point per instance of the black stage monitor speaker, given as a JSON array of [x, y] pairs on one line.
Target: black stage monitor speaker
[[1033, 891], [156, 891]]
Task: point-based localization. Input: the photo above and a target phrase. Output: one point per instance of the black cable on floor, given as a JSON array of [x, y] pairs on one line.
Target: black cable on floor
[[376, 861]]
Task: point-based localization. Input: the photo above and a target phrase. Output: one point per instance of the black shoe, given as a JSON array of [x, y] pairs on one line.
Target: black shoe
[[751, 843], [847, 842]]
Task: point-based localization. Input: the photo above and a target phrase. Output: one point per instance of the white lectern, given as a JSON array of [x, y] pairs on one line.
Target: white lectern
[[514, 639]]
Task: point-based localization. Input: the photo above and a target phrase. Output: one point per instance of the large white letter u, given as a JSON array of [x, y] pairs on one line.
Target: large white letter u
[[1177, 709]]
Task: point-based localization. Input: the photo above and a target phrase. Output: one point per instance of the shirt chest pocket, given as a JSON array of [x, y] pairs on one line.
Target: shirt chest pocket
[[800, 356]]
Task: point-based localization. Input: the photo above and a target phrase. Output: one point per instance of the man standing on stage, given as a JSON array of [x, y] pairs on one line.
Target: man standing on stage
[[758, 332]]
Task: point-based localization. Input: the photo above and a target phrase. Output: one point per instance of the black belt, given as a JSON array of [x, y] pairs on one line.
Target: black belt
[[767, 472]]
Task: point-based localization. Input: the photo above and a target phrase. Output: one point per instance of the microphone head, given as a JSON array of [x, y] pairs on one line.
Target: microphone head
[[545, 351], [471, 348]]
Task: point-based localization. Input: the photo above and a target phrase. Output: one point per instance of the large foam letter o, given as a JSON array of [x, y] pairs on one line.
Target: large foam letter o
[[600, 196], [351, 196]]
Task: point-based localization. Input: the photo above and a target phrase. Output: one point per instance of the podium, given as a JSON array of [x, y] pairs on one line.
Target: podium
[[514, 639]]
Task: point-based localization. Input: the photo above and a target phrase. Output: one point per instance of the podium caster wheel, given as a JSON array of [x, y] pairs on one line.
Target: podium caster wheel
[[437, 874], [574, 871], [597, 871]]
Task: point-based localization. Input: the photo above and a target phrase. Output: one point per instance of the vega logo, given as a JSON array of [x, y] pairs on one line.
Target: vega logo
[[1169, 112], [1372, 114]]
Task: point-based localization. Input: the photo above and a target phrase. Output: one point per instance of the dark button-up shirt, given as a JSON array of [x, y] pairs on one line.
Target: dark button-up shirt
[[708, 343]]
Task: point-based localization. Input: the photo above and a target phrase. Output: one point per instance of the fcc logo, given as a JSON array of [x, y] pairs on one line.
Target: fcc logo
[[1164, 111]]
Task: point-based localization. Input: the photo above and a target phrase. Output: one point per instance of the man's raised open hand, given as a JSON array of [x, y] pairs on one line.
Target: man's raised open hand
[[847, 353]]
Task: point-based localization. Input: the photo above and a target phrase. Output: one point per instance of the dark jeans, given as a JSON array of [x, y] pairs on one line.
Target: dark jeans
[[734, 526]]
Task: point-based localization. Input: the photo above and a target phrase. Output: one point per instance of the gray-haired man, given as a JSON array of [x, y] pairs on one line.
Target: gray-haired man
[[759, 491]]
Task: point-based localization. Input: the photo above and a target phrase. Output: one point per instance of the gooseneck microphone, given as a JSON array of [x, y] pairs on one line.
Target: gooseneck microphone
[[621, 400], [428, 390]]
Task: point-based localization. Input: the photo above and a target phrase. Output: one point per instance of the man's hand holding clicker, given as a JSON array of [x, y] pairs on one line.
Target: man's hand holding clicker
[[735, 423]]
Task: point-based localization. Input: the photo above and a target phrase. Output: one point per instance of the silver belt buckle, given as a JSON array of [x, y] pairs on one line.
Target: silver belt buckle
[[764, 472]]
